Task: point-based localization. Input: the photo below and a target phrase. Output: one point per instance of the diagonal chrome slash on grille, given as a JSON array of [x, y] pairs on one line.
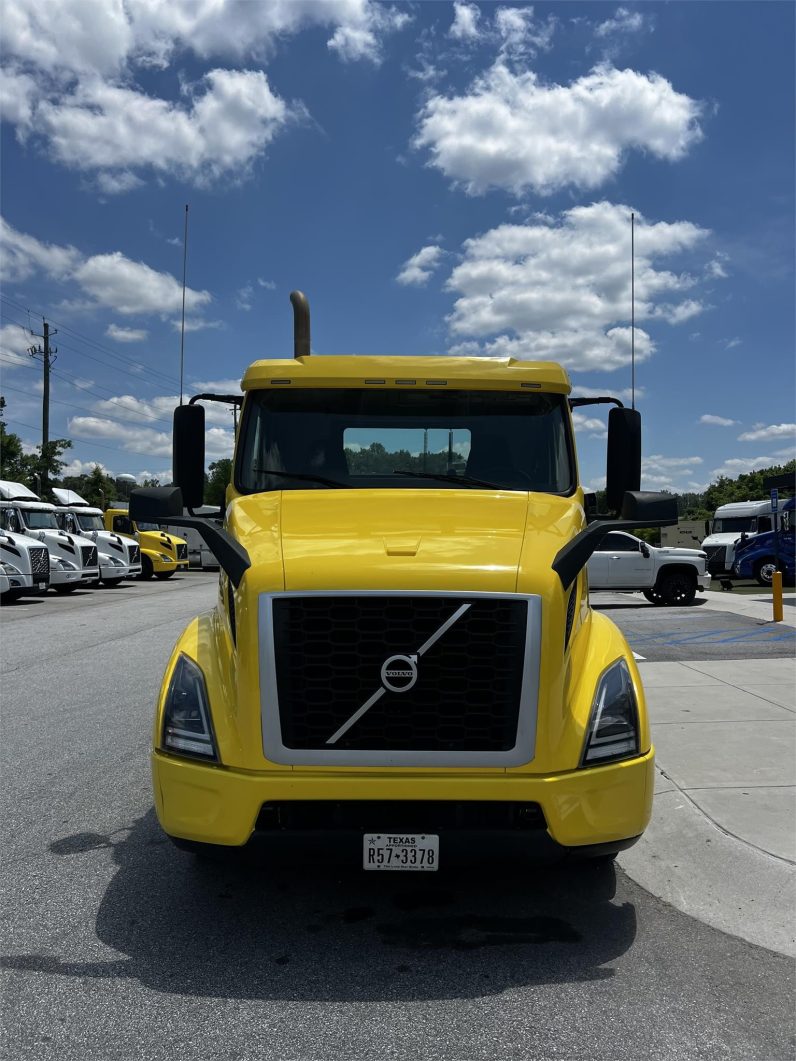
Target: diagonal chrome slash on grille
[[357, 715]]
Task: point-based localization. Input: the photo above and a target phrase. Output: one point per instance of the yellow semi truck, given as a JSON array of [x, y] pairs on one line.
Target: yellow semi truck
[[161, 554], [402, 663]]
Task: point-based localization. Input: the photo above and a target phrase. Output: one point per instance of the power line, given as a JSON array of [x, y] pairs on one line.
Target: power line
[[80, 408], [92, 342], [93, 442]]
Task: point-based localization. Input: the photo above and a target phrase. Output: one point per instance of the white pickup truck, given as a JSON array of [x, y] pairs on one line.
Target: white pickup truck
[[665, 576]]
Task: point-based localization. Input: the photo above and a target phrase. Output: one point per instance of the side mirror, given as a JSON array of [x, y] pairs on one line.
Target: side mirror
[[153, 504], [188, 457], [590, 505], [646, 508], [623, 470], [645, 550]]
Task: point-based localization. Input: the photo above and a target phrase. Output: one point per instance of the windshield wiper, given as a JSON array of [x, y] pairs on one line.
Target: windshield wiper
[[467, 480], [300, 475]]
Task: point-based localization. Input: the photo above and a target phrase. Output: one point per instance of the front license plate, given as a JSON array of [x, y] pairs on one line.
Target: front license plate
[[41, 585], [411, 853]]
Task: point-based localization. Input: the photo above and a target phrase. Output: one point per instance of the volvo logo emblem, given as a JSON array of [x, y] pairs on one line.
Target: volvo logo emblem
[[399, 673]]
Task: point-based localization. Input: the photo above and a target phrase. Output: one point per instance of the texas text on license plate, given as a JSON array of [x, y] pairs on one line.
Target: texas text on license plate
[[401, 851]]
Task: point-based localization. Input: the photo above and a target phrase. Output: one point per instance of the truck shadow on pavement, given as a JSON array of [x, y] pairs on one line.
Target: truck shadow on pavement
[[250, 931]]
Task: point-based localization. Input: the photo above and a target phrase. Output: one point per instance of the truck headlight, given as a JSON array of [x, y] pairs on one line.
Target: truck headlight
[[166, 559], [62, 565], [8, 569], [112, 560], [612, 732], [187, 728]]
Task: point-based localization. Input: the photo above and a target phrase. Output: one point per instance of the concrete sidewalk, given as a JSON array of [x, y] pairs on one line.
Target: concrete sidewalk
[[722, 842]]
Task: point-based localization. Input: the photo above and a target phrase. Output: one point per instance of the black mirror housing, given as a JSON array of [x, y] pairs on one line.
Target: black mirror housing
[[188, 455], [642, 506], [153, 504], [623, 470]]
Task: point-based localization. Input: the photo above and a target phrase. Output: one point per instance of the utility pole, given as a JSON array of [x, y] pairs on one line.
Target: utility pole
[[47, 354]]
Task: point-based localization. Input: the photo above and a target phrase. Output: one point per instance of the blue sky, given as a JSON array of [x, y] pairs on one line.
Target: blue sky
[[438, 178]]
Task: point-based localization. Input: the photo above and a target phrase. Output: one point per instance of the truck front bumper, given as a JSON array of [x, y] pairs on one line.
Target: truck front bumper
[[605, 805]]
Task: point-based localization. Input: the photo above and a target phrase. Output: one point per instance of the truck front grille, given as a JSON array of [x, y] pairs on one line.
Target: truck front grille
[[446, 678], [40, 562], [717, 558], [88, 554], [182, 551], [135, 554]]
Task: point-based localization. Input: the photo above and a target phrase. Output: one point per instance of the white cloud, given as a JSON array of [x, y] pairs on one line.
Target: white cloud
[[622, 21], [513, 132], [126, 335], [115, 130], [195, 324], [79, 467], [738, 465], [111, 280], [24, 255], [129, 287], [146, 440], [657, 462], [763, 432], [677, 314], [465, 22], [417, 269], [71, 66], [560, 289], [14, 345], [73, 37], [163, 476], [520, 34], [269, 285], [361, 37], [715, 269], [732, 343], [716, 421]]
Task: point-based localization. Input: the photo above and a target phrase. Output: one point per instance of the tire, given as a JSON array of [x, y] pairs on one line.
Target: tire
[[676, 588], [764, 570], [69, 587], [147, 571], [162, 575], [111, 582], [653, 596]]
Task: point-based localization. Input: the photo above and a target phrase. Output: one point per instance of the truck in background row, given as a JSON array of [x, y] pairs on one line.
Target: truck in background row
[[161, 554], [199, 555], [730, 523], [667, 575], [74, 559], [119, 557], [24, 565], [402, 665], [760, 554]]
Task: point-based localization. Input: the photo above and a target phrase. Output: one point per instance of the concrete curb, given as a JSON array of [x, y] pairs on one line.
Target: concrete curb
[[688, 861]]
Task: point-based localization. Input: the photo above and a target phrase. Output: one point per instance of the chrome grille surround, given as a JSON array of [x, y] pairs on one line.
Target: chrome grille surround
[[276, 750], [88, 555]]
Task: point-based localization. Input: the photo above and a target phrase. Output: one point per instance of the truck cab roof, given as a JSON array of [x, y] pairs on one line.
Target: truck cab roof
[[10, 491], [364, 370]]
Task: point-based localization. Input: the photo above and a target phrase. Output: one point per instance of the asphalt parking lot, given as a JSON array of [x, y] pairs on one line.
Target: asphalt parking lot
[[693, 633], [117, 945]]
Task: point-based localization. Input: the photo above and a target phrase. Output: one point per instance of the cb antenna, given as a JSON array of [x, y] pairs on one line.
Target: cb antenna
[[182, 328], [632, 310]]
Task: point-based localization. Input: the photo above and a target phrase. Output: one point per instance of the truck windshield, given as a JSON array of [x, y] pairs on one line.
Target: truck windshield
[[89, 523], [147, 526], [39, 520], [388, 439], [734, 524]]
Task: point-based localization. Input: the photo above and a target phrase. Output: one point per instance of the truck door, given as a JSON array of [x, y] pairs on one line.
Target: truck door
[[628, 567]]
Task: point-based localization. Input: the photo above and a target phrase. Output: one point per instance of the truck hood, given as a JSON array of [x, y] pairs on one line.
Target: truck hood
[[724, 539], [447, 540], [676, 550]]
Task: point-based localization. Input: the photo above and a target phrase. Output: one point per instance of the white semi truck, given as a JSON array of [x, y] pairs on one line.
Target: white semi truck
[[119, 557], [730, 523], [24, 566], [73, 558]]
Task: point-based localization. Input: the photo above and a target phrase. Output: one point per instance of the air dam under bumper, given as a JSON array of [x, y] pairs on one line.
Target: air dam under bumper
[[582, 808]]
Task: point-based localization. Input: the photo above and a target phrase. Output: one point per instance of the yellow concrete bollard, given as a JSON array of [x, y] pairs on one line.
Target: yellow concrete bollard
[[776, 586]]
